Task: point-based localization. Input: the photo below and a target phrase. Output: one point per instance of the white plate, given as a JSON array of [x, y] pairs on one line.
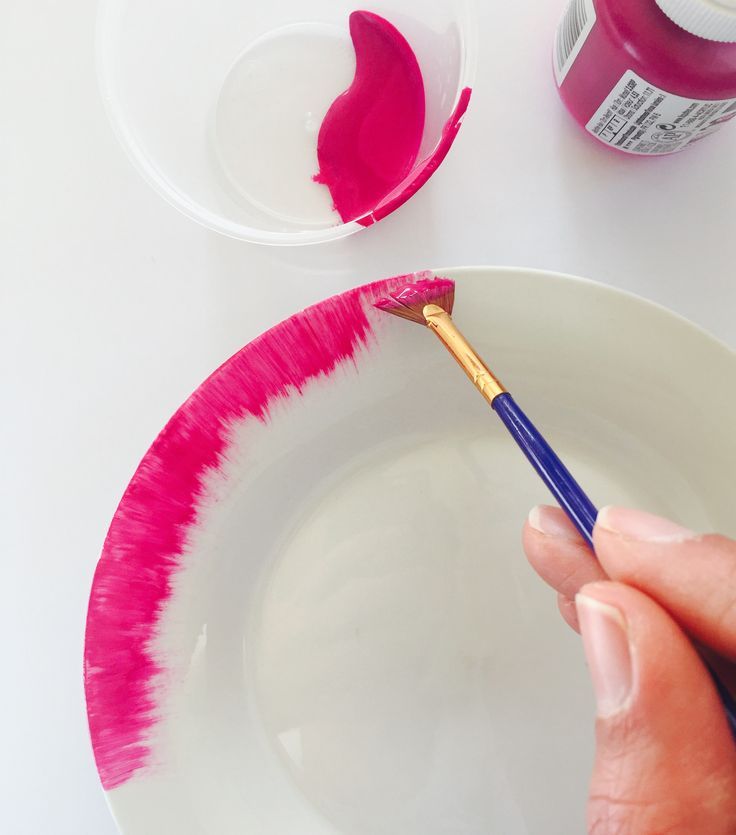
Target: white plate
[[312, 614]]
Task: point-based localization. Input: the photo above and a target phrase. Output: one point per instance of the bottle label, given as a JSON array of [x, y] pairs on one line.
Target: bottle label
[[639, 118], [573, 31]]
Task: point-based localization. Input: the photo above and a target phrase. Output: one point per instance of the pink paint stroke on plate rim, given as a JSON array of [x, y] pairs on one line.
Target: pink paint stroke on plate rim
[[148, 533]]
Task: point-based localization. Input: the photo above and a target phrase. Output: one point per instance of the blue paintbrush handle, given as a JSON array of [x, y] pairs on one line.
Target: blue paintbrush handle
[[568, 493], [571, 498]]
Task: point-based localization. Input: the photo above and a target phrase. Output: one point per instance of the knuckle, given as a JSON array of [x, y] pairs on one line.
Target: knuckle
[[622, 738], [611, 815], [571, 582]]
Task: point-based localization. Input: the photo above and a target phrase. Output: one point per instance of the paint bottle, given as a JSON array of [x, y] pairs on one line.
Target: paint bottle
[[648, 76]]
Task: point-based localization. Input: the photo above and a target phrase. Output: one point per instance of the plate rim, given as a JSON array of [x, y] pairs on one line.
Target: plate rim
[[361, 293]]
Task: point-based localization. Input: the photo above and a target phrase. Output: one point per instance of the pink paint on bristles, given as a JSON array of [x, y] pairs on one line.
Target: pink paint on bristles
[[409, 301]]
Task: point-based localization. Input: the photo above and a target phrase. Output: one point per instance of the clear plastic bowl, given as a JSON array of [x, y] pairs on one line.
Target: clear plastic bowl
[[219, 103]]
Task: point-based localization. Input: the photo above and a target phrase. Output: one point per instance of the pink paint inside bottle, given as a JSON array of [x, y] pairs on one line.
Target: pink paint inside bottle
[[648, 76]]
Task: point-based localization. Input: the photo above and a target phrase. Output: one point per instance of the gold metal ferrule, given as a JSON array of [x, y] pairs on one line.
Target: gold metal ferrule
[[440, 321]]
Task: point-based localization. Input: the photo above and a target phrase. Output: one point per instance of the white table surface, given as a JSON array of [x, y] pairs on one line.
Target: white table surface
[[114, 307]]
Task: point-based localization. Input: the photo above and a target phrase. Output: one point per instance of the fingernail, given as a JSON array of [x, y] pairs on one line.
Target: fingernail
[[552, 522], [606, 643], [641, 526]]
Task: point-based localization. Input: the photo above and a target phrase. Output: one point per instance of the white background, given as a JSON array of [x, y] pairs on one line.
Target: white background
[[114, 307]]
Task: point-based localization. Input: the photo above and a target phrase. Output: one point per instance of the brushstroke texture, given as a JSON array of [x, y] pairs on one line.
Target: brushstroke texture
[[148, 534]]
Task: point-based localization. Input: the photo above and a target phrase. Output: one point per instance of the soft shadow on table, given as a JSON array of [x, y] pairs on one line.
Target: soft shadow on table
[[630, 207]]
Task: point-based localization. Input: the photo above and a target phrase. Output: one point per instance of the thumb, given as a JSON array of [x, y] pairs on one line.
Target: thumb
[[665, 758]]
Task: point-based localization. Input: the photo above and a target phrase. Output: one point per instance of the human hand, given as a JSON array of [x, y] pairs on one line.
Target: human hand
[[665, 757]]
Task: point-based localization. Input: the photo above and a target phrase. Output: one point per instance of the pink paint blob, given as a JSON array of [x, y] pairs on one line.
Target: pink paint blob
[[637, 35], [144, 546], [426, 168], [371, 135]]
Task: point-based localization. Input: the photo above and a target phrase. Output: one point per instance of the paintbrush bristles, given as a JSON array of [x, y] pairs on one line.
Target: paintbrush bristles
[[409, 301]]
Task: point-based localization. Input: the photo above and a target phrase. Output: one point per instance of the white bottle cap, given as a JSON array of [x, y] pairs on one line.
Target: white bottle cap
[[711, 19]]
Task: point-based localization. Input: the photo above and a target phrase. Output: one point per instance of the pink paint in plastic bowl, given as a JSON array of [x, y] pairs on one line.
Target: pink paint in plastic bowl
[[227, 128], [371, 136]]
